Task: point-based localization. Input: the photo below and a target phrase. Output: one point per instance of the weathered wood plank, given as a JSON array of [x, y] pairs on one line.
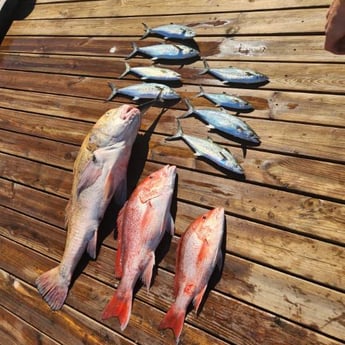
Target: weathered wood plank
[[14, 331], [108, 8], [254, 283], [290, 173], [253, 48], [310, 20], [275, 105], [284, 76], [304, 214], [67, 326], [88, 297]]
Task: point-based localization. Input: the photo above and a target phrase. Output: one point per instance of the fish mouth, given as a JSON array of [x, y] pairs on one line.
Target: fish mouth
[[128, 112], [218, 212]]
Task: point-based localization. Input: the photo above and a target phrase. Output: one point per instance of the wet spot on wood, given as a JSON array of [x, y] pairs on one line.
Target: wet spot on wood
[[230, 47]]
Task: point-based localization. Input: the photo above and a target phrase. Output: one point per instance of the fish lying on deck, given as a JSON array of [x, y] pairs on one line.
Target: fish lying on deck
[[232, 75], [227, 101], [141, 225], [170, 31], [100, 172], [145, 91], [198, 252], [152, 73], [210, 150], [224, 122], [165, 52]]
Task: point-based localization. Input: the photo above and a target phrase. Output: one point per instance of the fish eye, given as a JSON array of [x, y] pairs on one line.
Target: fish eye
[[204, 217]]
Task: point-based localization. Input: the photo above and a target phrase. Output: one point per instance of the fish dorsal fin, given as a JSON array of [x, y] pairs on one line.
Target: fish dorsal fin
[[209, 139], [178, 269], [119, 253]]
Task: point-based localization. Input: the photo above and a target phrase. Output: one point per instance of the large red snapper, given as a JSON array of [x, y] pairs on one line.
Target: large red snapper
[[141, 224], [100, 172], [199, 250]]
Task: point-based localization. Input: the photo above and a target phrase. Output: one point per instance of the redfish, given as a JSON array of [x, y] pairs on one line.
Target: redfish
[[100, 172], [141, 224], [198, 252]]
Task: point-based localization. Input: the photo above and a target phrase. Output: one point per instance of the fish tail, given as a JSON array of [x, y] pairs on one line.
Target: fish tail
[[147, 31], [53, 288], [190, 110], [127, 70], [178, 134], [201, 93], [134, 51], [206, 67], [113, 91], [119, 306], [174, 320]]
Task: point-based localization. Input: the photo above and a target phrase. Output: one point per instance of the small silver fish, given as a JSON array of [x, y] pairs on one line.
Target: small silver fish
[[145, 91], [208, 149], [232, 75], [227, 101], [224, 122], [152, 73], [165, 52], [170, 31]]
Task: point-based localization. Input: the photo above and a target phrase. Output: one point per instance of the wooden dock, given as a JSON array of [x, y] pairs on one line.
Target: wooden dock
[[283, 280]]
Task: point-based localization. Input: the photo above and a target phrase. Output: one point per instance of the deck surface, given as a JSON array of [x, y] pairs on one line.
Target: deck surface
[[283, 280]]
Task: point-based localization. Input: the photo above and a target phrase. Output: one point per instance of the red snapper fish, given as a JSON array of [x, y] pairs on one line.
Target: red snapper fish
[[198, 252], [100, 172], [141, 224]]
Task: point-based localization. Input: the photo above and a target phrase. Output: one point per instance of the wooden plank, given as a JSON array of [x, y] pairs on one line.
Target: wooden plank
[[254, 283], [292, 21], [275, 105], [253, 48], [88, 297], [299, 213], [109, 8], [290, 173], [279, 249], [14, 331], [67, 326], [282, 76]]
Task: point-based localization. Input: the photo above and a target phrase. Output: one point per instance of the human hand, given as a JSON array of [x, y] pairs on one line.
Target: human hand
[[335, 28]]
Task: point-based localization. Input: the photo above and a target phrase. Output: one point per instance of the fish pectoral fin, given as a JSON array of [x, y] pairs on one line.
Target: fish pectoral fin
[[92, 246], [198, 298], [147, 274], [89, 176]]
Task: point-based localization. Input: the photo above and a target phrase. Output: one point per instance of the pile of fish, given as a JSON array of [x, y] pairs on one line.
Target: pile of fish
[[100, 174], [155, 86]]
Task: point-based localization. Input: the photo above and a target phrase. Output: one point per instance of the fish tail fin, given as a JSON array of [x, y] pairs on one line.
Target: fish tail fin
[[174, 320], [113, 91], [190, 110], [53, 288], [134, 51], [206, 67], [201, 93], [147, 31], [119, 306], [178, 134], [127, 70]]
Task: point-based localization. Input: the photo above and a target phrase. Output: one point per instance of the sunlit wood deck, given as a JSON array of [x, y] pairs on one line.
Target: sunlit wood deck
[[283, 280]]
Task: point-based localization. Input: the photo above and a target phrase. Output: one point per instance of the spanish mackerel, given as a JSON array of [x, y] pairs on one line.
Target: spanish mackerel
[[208, 149]]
